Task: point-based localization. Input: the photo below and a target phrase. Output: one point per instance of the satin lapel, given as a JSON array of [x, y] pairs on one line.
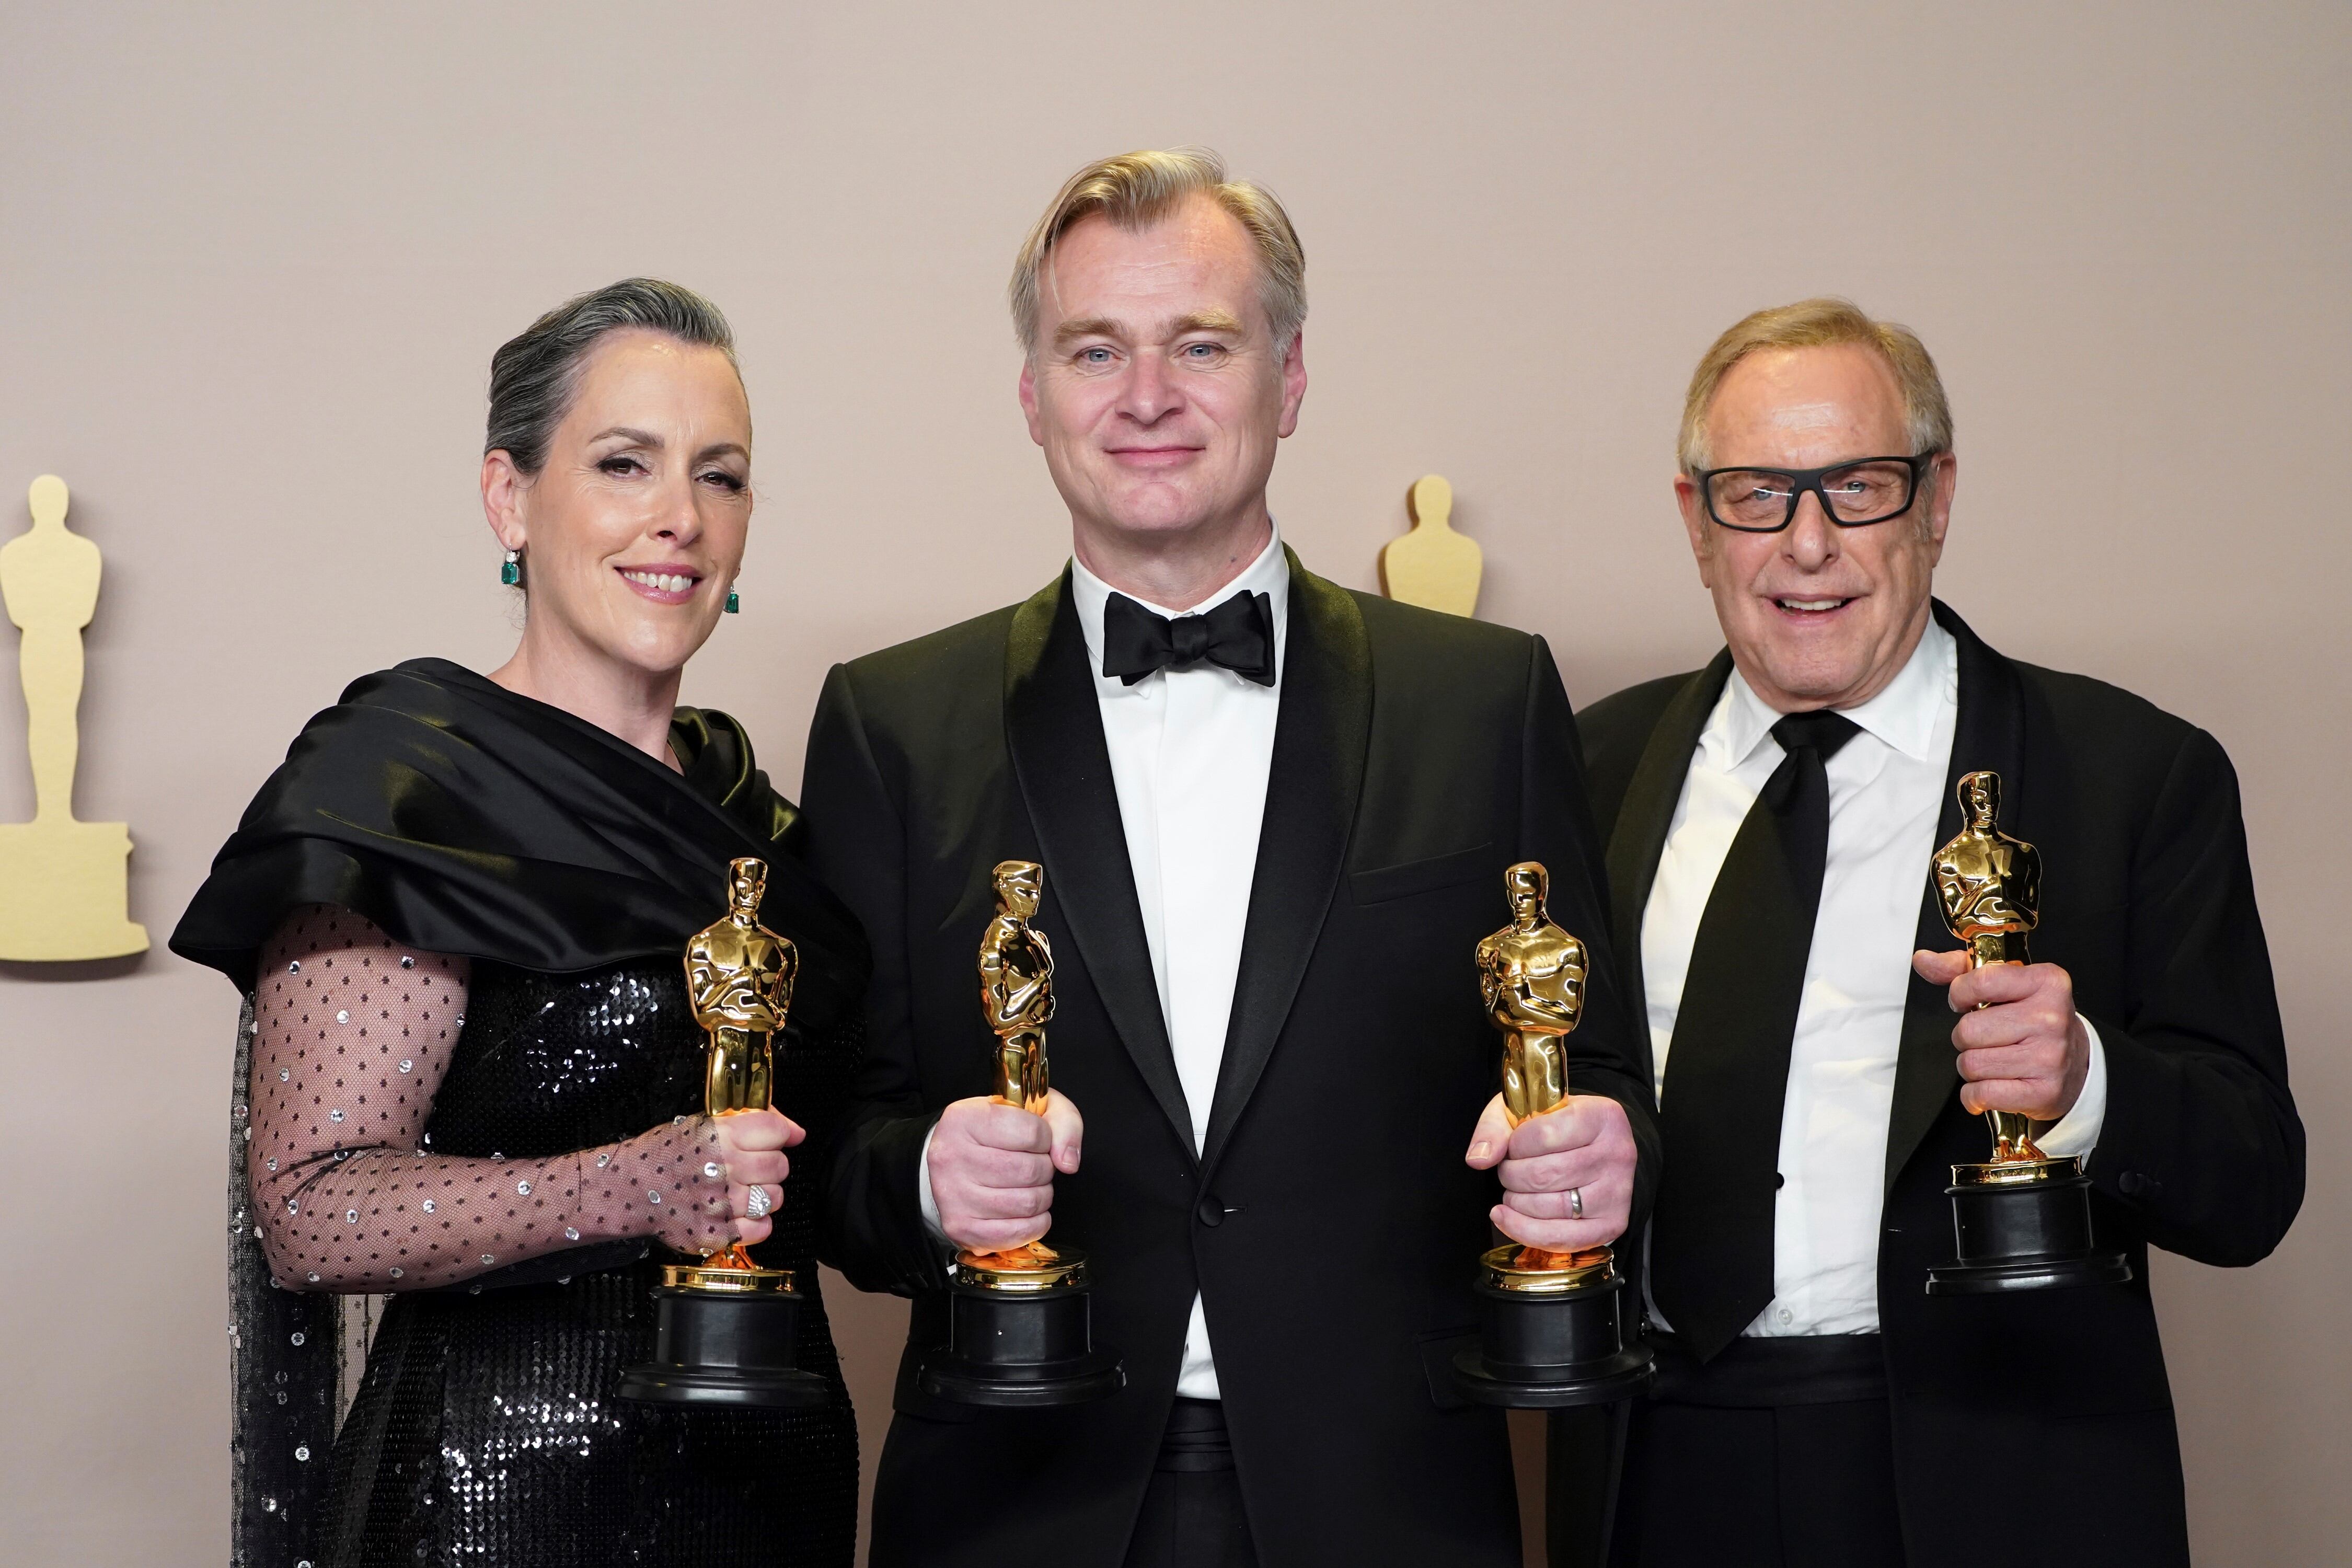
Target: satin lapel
[[1318, 772], [1052, 727], [1989, 734], [1639, 836]]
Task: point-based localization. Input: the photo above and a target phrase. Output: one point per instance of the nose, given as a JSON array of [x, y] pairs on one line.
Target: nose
[[679, 518], [1149, 393], [1810, 540]]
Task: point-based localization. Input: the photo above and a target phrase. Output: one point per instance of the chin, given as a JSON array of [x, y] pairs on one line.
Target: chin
[[1810, 681], [657, 656], [1157, 517]]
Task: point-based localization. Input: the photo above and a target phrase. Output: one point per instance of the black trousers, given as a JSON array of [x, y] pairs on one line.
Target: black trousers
[[1777, 1453], [1192, 1515]]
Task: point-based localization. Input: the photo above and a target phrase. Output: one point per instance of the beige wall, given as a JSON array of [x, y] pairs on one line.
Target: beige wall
[[252, 268]]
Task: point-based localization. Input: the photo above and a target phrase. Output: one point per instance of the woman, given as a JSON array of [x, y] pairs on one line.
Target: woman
[[459, 911]]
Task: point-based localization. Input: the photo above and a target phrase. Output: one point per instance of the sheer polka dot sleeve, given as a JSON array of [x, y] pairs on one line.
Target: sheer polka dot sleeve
[[352, 1035]]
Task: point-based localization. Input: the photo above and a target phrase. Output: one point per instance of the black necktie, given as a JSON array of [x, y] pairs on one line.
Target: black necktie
[[1238, 635], [1728, 1069]]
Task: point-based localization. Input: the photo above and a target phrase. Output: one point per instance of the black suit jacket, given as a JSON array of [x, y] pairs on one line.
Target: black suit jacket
[[2148, 902], [1330, 1223]]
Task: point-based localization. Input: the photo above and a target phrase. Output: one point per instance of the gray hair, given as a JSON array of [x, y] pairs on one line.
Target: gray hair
[[534, 376], [1821, 322]]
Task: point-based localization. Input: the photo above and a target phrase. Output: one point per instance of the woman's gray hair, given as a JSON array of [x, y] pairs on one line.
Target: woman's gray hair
[[534, 374]]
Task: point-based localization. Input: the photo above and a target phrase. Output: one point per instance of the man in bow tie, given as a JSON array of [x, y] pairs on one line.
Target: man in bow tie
[[1274, 817]]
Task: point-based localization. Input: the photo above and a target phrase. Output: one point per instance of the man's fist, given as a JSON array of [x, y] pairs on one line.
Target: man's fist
[[1582, 1146], [992, 1169], [2023, 1047]]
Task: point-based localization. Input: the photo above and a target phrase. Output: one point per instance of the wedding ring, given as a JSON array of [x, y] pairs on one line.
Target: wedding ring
[[756, 1203], [1576, 1202]]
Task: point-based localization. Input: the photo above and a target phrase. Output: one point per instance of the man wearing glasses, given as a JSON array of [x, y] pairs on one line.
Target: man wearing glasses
[[1771, 821]]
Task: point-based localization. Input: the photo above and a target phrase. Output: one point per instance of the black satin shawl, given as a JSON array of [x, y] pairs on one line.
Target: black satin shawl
[[466, 819]]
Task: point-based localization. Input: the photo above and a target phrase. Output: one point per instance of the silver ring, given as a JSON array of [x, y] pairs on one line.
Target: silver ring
[[1576, 1202], [756, 1203]]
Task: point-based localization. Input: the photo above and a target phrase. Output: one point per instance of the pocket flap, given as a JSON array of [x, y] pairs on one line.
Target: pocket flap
[[1381, 884]]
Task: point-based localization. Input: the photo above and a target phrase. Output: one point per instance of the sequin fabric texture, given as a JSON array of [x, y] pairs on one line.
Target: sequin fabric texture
[[493, 1124]]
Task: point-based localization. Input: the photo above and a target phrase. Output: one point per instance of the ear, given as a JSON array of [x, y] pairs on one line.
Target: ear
[[504, 490], [1029, 399], [1702, 537], [1946, 470], [1294, 382]]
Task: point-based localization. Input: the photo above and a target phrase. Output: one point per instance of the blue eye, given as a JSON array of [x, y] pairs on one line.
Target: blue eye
[[1095, 355]]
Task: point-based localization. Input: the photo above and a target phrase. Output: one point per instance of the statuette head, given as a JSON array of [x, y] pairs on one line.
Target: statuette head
[[1980, 798], [47, 498], [747, 884], [1527, 885], [1019, 884]]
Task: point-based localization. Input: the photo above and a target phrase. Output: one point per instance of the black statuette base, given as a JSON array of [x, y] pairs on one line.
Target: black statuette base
[[719, 1349], [1021, 1348], [1540, 1350], [2033, 1237]]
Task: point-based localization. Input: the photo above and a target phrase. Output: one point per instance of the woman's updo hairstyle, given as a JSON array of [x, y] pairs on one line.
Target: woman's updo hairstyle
[[533, 376]]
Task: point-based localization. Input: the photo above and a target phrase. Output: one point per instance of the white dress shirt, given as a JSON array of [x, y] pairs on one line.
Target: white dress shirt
[[1190, 753], [1886, 793]]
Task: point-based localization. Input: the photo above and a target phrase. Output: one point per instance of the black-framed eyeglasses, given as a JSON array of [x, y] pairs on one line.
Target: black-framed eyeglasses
[[1853, 494]]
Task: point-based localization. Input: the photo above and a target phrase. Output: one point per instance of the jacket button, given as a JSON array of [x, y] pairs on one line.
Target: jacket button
[[1212, 1212], [2130, 1182], [1778, 1181]]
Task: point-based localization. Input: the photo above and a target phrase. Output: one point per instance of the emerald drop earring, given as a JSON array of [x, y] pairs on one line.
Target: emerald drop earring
[[511, 569], [734, 602]]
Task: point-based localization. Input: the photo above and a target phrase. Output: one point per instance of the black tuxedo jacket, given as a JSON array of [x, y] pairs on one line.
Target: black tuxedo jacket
[[1328, 1223], [2148, 902]]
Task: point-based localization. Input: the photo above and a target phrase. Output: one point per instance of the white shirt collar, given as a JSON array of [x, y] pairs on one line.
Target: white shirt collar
[[1903, 715], [1268, 574]]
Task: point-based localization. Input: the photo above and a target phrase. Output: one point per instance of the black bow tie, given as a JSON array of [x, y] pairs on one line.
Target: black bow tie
[[1238, 635]]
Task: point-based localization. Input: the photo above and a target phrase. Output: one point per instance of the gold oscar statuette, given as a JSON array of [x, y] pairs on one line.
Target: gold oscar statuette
[[1989, 885], [726, 1328], [738, 984], [1531, 975], [1019, 1325], [1016, 995], [2021, 1220], [1549, 1332]]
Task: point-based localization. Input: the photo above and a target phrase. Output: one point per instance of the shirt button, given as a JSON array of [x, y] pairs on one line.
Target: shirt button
[[1211, 1212], [1785, 1316]]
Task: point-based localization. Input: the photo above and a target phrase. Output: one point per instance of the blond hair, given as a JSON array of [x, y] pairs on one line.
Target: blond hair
[[1136, 190], [1822, 324]]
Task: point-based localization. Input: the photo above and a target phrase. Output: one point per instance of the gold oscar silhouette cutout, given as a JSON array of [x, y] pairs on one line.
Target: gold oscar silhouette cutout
[[1531, 974], [1990, 888], [1017, 993], [64, 884], [1432, 566]]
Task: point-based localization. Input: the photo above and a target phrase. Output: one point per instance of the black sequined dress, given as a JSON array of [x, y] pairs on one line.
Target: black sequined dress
[[568, 870], [486, 1429]]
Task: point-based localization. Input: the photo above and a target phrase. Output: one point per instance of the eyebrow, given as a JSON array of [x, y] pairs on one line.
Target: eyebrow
[[1210, 321], [648, 439], [1204, 321]]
